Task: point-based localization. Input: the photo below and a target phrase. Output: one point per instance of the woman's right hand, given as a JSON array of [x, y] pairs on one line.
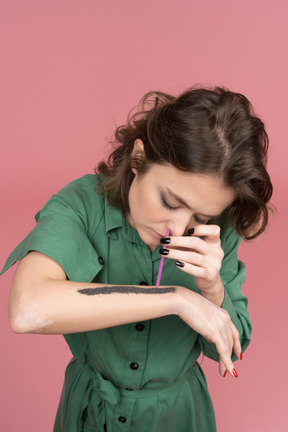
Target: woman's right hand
[[213, 323]]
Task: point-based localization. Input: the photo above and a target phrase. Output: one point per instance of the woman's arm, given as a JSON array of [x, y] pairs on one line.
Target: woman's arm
[[210, 256], [43, 301]]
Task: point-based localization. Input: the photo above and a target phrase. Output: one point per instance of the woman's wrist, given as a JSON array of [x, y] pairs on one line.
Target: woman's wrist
[[216, 293], [182, 297]]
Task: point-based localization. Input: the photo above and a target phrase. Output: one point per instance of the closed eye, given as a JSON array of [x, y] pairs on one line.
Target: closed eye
[[200, 221], [168, 206], [165, 203]]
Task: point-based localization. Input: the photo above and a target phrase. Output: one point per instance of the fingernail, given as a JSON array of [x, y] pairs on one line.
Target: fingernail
[[179, 264], [224, 375], [191, 231], [235, 373], [165, 240], [241, 356], [164, 251]]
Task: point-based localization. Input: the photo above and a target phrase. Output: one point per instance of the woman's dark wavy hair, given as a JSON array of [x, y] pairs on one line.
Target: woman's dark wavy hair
[[204, 131]]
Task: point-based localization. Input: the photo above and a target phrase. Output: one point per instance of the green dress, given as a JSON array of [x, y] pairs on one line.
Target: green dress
[[136, 377]]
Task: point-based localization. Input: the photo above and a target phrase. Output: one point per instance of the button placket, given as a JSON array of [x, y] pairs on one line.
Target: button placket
[[139, 333], [123, 415], [136, 359]]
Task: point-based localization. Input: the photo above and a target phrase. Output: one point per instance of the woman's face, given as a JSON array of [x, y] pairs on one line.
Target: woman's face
[[166, 198]]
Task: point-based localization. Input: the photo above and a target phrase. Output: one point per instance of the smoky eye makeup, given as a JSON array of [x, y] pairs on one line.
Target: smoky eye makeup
[[165, 203], [169, 207]]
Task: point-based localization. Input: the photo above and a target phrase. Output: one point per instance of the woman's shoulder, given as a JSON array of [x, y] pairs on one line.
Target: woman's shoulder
[[81, 190], [87, 185], [64, 227], [79, 197]]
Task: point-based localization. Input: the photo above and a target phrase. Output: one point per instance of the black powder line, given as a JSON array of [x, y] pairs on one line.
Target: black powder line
[[125, 290]]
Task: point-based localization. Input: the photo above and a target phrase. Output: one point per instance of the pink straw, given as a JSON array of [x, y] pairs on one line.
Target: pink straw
[[161, 263]]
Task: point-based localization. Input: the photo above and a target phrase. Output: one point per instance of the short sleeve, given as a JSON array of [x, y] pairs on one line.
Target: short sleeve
[[62, 231], [233, 275]]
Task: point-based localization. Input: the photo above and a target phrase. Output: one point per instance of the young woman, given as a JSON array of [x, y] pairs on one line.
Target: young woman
[[191, 167]]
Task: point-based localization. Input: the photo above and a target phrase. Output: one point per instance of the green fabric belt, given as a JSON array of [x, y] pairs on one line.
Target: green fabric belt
[[86, 392], [109, 392]]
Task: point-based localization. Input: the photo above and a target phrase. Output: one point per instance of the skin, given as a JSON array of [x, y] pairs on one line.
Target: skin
[[205, 196], [166, 198], [30, 321], [40, 287]]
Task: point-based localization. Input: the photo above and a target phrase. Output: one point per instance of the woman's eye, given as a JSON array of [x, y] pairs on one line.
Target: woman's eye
[[166, 204], [200, 221]]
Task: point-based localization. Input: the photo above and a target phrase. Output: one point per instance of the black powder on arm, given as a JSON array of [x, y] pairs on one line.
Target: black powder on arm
[[119, 289]]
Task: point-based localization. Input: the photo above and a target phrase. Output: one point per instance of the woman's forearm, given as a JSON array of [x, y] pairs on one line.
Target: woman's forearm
[[72, 307], [42, 300]]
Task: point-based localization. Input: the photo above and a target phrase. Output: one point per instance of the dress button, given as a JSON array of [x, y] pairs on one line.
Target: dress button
[[101, 260], [122, 419], [134, 366], [143, 283], [139, 327]]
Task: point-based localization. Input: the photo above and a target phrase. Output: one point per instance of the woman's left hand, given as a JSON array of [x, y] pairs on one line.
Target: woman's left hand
[[201, 256]]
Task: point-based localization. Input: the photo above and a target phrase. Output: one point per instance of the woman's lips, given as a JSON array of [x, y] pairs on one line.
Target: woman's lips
[[156, 234]]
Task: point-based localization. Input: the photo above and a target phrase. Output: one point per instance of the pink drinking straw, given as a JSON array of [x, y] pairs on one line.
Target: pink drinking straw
[[161, 263]]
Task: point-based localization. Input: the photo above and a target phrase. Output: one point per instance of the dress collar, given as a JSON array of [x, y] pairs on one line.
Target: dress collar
[[114, 219]]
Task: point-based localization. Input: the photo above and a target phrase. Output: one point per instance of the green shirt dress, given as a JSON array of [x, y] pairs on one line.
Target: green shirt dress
[[136, 377]]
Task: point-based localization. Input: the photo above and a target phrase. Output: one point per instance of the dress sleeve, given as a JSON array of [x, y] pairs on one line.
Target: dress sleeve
[[233, 275], [62, 233]]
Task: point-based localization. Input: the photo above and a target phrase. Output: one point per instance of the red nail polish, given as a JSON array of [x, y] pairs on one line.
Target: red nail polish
[[241, 356], [235, 373], [224, 375]]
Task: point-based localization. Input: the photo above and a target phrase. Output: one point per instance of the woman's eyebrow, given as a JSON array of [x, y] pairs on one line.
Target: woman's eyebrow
[[178, 198], [181, 201], [209, 216]]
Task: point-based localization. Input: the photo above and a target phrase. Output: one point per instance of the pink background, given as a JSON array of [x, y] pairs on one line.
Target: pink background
[[70, 71]]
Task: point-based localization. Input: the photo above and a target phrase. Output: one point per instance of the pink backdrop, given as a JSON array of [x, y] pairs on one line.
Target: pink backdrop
[[70, 71]]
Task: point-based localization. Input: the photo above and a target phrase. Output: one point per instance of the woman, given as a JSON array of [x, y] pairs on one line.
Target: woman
[[191, 167]]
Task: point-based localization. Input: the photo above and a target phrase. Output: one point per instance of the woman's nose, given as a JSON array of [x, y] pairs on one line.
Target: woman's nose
[[179, 225]]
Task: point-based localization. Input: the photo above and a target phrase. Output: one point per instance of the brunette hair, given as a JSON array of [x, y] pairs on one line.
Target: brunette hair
[[205, 131]]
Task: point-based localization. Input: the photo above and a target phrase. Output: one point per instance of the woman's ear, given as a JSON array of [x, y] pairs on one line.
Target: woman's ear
[[138, 152]]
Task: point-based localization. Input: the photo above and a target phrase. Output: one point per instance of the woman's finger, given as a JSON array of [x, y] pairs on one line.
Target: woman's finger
[[225, 338], [225, 357], [196, 271], [196, 264], [188, 257], [236, 342], [185, 242], [222, 369], [211, 233]]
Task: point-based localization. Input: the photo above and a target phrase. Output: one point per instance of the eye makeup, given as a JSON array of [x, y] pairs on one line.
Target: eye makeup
[[200, 221], [169, 207], [165, 203]]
